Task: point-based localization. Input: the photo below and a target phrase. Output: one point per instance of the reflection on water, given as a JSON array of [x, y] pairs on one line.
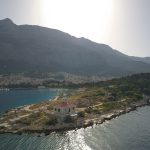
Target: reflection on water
[[127, 132]]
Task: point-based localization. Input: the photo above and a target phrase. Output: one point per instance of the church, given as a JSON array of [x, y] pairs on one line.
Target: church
[[64, 109]]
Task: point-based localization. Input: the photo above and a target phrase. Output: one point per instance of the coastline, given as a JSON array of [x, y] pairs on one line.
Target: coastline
[[20, 97], [96, 121], [74, 126]]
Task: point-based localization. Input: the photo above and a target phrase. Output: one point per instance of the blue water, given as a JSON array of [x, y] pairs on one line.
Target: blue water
[[14, 98], [127, 132]]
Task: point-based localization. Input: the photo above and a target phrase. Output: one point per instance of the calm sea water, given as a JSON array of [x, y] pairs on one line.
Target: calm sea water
[[14, 98], [127, 132]]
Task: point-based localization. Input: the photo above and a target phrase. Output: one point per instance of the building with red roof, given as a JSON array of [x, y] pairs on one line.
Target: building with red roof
[[63, 109]]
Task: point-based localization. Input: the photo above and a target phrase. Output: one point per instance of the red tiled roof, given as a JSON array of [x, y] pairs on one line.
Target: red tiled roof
[[65, 104]]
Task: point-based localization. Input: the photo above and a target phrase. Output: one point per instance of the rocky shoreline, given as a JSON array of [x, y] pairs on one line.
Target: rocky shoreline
[[74, 126]]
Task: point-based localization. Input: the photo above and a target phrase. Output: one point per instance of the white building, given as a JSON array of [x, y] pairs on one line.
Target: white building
[[64, 109]]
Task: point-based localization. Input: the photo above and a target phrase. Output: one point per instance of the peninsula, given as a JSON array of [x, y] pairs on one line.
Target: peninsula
[[88, 104]]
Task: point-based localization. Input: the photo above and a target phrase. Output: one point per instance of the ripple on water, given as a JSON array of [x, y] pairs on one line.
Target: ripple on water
[[129, 131]]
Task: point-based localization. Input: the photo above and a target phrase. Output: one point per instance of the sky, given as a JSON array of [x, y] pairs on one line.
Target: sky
[[122, 24]]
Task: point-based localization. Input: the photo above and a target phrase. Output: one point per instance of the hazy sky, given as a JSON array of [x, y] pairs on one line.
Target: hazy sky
[[122, 24]]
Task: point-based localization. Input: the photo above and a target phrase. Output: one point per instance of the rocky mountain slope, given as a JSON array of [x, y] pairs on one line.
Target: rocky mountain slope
[[27, 48]]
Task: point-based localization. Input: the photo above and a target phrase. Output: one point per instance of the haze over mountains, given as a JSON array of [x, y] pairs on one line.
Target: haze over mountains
[[27, 48]]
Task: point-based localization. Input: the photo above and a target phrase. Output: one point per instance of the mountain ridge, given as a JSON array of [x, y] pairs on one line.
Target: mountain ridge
[[31, 48]]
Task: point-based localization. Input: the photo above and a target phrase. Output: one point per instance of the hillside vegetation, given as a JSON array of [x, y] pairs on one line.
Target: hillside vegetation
[[112, 94]]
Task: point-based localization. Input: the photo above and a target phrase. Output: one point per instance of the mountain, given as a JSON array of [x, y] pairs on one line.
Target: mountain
[[143, 59], [146, 59], [28, 48]]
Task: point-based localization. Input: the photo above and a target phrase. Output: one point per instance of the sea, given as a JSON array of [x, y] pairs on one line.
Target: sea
[[130, 131], [19, 97]]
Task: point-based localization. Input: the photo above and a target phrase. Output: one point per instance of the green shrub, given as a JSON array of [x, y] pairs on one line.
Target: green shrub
[[89, 110], [81, 114], [52, 120], [26, 121]]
